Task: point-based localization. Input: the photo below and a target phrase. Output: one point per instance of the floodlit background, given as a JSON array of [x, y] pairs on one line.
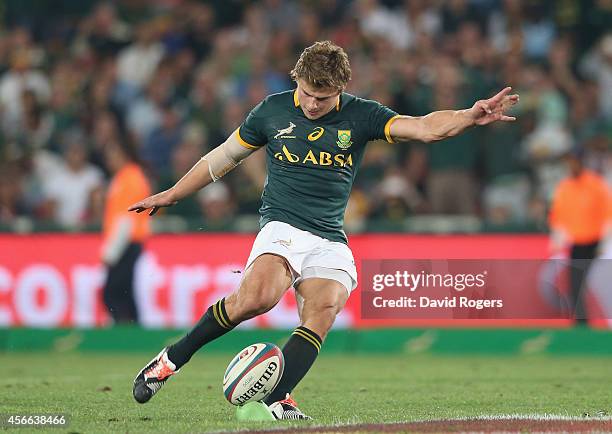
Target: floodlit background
[[173, 78]]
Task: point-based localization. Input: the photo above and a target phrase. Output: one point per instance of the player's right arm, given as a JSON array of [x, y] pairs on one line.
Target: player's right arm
[[209, 168]]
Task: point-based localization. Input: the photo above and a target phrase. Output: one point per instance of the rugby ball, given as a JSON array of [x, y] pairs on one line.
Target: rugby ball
[[253, 373]]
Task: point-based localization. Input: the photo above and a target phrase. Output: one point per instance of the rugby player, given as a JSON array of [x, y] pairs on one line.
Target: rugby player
[[314, 138]]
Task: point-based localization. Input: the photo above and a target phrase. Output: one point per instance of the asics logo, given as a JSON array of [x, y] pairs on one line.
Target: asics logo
[[316, 134]]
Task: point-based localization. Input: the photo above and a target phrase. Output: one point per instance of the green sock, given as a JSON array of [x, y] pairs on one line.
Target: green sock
[[299, 352], [213, 324]]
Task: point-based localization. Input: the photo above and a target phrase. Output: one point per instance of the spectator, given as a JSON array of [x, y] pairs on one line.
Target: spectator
[[543, 148], [103, 32], [200, 23], [144, 115], [68, 190], [598, 66], [37, 124], [123, 233], [67, 81], [357, 211], [538, 29], [105, 132], [507, 191], [452, 184], [204, 102], [217, 207], [13, 83], [137, 63], [12, 204], [184, 156], [397, 199], [161, 142], [455, 13]]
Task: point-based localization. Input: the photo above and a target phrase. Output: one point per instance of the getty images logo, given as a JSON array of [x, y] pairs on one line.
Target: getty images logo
[[271, 369]]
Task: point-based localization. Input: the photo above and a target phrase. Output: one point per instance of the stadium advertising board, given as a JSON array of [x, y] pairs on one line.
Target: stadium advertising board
[[56, 280]]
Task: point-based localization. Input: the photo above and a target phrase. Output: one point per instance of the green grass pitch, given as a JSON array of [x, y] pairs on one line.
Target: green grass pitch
[[94, 389]]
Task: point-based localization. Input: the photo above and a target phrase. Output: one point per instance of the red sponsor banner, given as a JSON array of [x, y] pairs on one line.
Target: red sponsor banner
[[55, 280]]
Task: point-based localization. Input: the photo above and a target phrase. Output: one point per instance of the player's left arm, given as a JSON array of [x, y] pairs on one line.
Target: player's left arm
[[442, 124]]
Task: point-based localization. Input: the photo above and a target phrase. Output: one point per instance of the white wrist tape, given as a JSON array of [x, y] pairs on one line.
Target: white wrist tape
[[116, 244], [226, 157]]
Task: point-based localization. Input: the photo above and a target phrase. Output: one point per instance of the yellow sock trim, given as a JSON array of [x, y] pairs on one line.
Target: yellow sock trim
[[217, 317], [309, 338], [225, 318]]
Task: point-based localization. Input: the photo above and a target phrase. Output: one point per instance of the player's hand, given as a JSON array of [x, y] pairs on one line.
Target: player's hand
[[493, 109], [154, 203]]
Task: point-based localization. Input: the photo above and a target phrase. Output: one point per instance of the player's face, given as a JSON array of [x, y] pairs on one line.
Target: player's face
[[316, 102]]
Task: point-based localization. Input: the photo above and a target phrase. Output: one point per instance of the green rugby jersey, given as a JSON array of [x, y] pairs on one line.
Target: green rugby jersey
[[312, 163]]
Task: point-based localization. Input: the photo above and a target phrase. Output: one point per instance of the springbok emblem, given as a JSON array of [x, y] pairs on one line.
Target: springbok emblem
[[285, 131]]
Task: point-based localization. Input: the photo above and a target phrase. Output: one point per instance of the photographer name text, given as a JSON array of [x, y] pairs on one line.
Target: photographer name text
[[454, 284]]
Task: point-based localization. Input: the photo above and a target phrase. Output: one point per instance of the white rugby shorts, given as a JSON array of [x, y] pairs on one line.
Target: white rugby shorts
[[307, 254]]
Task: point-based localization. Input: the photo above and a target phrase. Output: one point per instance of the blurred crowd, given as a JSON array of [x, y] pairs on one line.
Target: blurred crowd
[[174, 78]]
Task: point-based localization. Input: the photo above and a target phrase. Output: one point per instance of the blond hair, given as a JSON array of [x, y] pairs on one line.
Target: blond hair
[[323, 64]]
